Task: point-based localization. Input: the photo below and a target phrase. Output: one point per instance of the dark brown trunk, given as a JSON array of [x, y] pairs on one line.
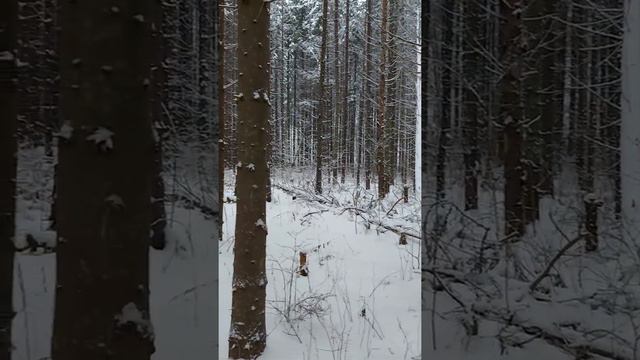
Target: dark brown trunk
[[334, 154], [470, 110], [319, 128], [221, 112], [510, 113], [383, 187], [247, 339], [158, 80], [591, 205], [366, 107], [345, 99], [103, 182], [8, 163]]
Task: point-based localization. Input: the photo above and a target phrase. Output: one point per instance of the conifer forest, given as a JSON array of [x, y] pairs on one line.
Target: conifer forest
[[531, 179], [320, 106], [320, 179]]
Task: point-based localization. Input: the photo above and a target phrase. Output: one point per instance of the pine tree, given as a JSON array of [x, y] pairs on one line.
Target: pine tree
[[383, 182], [511, 56], [630, 127], [103, 182], [319, 128], [247, 337]]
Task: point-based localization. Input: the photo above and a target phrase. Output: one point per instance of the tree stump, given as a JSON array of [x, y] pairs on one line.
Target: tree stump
[[403, 239], [303, 270], [405, 194]]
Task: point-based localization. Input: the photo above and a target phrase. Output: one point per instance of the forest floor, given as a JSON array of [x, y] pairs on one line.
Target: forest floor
[[182, 276], [552, 300], [361, 299]]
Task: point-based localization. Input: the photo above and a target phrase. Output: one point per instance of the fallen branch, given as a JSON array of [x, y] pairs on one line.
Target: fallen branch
[[552, 338], [393, 229], [394, 205], [196, 204], [359, 212], [571, 344], [546, 271]]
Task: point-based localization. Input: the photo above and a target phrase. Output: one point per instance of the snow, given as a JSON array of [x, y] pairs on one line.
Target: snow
[[588, 299], [183, 282], [131, 314], [66, 131], [103, 138], [6, 56], [260, 223], [114, 200], [351, 268]]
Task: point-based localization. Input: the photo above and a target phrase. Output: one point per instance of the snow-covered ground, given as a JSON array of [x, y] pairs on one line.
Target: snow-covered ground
[[361, 299], [356, 267], [588, 305], [183, 282]]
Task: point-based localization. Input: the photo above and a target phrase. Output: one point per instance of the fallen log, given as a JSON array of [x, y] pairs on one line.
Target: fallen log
[[358, 211]]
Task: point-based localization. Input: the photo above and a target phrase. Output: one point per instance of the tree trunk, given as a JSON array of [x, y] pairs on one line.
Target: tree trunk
[[549, 104], [471, 112], [366, 107], [158, 76], [221, 112], [630, 127], [104, 177], [335, 152], [383, 188], [345, 98], [8, 163], [321, 117], [510, 113], [248, 335]]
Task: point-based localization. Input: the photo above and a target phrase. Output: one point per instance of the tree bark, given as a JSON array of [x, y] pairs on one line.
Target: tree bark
[[221, 112], [383, 187], [471, 68], [630, 127], [104, 177], [510, 113], [366, 107], [321, 117], [8, 163], [345, 98], [158, 76], [248, 335]]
